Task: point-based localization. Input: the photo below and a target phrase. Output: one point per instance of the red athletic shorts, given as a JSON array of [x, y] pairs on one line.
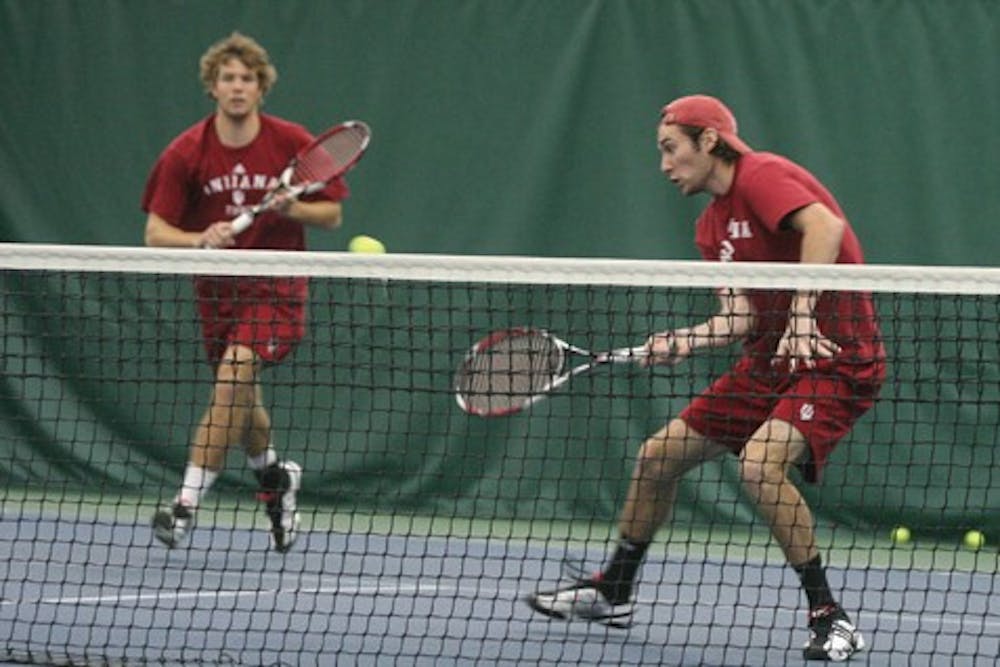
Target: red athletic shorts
[[823, 404], [266, 315]]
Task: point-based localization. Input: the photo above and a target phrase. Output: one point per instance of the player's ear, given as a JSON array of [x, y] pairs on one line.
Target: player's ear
[[708, 139]]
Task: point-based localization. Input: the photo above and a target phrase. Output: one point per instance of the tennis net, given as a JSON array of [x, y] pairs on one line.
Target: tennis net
[[424, 526]]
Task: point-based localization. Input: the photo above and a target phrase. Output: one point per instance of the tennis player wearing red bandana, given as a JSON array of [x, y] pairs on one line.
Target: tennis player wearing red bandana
[[812, 365]]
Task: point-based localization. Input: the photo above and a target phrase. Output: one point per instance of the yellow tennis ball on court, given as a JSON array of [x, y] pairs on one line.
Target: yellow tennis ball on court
[[974, 540], [900, 535], [366, 244]]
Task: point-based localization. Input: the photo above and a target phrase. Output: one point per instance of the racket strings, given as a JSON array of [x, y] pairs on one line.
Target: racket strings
[[332, 155], [509, 372]]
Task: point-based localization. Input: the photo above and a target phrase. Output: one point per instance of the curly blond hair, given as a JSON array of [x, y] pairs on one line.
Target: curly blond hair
[[247, 50]]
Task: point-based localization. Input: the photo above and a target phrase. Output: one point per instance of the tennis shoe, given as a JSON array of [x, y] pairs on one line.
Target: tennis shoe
[[279, 485], [832, 636], [585, 599], [172, 524]]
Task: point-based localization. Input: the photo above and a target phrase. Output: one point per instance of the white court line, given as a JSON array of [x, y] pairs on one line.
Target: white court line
[[359, 589], [433, 588], [921, 620]]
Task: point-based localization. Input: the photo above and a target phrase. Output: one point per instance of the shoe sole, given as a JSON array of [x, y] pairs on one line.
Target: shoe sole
[[822, 656], [533, 602], [163, 528], [610, 621], [818, 654], [282, 545]]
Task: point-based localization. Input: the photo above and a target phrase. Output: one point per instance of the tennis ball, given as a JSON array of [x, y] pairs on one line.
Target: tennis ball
[[900, 535], [974, 540], [366, 244]]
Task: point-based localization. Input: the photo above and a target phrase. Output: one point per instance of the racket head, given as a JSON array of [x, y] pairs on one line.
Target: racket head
[[508, 370], [331, 154]]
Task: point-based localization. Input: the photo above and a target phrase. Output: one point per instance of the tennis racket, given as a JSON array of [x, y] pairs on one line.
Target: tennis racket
[[512, 369], [330, 155]]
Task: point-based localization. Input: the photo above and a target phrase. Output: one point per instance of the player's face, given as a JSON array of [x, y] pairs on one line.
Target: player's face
[[236, 89], [682, 160]]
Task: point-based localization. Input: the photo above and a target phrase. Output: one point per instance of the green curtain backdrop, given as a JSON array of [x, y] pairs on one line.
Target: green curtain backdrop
[[505, 127]]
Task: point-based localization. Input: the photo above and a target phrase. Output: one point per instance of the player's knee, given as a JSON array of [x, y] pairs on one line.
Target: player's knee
[[663, 456], [232, 388], [758, 469], [224, 394], [753, 473]]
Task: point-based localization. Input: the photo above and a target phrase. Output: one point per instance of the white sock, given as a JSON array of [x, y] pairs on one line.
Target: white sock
[[197, 482], [264, 459]]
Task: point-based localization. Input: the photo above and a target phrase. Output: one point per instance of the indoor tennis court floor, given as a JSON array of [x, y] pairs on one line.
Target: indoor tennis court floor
[[102, 593]]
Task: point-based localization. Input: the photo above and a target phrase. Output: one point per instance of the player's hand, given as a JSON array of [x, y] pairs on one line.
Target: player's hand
[[218, 235], [802, 344], [282, 202], [665, 349]]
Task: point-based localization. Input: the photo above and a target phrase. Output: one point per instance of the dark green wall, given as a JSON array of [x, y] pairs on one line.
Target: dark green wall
[[522, 127], [505, 127]]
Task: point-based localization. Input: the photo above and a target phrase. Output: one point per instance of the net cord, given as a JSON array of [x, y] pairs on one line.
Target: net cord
[[504, 269]]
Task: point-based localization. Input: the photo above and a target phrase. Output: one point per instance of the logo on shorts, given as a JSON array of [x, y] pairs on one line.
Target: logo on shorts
[[271, 346], [807, 412]]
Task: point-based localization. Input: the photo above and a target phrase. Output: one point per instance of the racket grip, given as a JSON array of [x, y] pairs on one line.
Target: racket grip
[[628, 353], [242, 221]]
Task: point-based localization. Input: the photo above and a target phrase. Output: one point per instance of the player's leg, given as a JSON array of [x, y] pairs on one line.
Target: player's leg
[[258, 439], [278, 481], [662, 461], [232, 403], [223, 423], [764, 467], [273, 327]]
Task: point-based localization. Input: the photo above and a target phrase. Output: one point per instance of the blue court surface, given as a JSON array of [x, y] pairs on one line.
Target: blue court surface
[[100, 592]]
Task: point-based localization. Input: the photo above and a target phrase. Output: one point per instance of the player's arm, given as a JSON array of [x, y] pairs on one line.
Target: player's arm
[[734, 320], [162, 234], [322, 213], [822, 232]]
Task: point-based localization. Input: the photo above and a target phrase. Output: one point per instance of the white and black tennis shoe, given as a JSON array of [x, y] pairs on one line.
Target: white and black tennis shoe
[[583, 600], [172, 524], [832, 636], [279, 486]]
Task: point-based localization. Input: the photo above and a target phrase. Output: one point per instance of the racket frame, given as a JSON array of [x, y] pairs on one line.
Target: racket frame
[[241, 222], [618, 355]]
